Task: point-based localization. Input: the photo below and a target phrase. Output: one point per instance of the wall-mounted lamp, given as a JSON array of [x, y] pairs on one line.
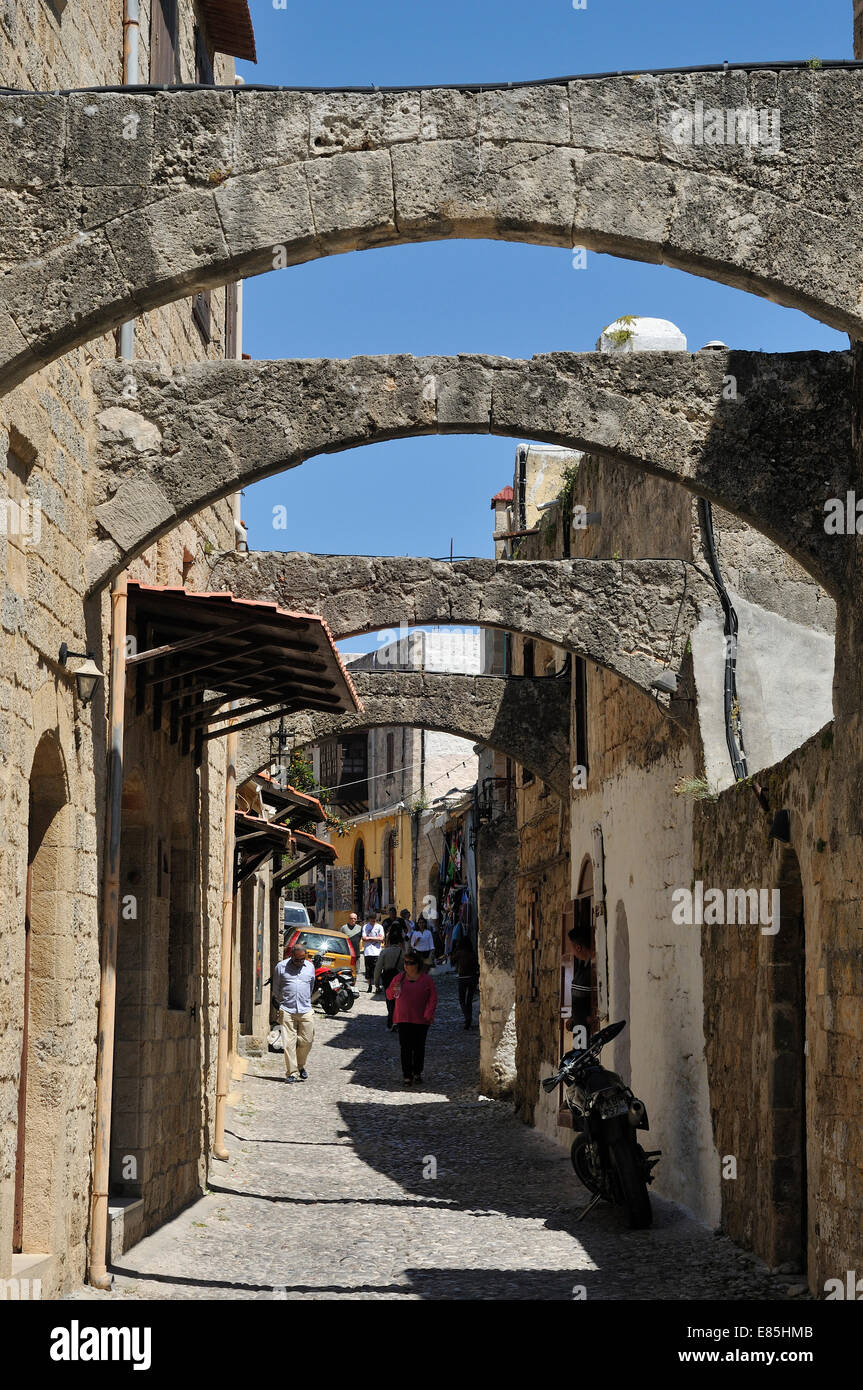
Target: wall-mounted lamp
[[665, 682], [86, 676]]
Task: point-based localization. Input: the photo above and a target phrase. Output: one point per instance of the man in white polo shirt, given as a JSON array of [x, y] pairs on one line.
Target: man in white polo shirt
[[373, 941], [293, 982]]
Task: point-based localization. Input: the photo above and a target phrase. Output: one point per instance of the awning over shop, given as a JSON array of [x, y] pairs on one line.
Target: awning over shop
[[257, 841], [315, 852], [229, 25], [294, 807], [267, 659]]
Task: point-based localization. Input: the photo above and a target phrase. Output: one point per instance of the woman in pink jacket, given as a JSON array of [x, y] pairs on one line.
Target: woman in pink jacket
[[416, 1000]]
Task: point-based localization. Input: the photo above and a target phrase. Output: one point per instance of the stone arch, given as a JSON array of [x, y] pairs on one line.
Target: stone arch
[[632, 617], [223, 184], [174, 440], [48, 976], [528, 720]]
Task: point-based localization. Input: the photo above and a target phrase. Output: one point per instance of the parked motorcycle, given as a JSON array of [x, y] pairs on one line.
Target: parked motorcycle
[[333, 989], [605, 1153]]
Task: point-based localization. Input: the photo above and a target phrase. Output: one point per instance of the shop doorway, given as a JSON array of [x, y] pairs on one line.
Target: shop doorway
[[359, 879]]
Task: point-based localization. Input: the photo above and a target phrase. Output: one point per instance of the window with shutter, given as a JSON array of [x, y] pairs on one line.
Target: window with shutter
[[164, 46], [202, 314]]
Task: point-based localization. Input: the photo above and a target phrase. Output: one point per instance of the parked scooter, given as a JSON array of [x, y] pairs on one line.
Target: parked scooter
[[334, 989], [605, 1153]]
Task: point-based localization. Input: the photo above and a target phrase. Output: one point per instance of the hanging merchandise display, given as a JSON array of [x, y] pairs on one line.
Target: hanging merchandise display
[[374, 895]]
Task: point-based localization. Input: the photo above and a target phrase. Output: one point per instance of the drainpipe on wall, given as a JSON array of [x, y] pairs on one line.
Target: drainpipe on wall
[[131, 30], [99, 1276], [226, 961]]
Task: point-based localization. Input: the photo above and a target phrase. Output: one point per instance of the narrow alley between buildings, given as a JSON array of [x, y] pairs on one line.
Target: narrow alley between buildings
[[356, 1186]]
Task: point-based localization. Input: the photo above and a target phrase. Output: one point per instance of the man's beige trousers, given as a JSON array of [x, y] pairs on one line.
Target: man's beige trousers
[[298, 1034]]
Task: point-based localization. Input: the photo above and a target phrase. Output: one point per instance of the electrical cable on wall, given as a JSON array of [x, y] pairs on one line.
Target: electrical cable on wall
[[733, 725]]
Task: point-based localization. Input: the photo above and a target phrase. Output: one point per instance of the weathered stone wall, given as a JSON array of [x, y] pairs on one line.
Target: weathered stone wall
[[497, 860], [45, 439], [542, 895], [542, 867], [752, 1050]]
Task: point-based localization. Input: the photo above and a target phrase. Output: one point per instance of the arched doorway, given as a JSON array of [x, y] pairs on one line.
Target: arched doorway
[[49, 864], [359, 878], [390, 871], [585, 930], [786, 984]]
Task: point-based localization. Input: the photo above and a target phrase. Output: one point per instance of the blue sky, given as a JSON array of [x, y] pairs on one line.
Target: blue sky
[[416, 496]]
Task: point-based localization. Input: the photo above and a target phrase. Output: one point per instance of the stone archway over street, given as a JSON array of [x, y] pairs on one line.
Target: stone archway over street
[[766, 436], [524, 718], [217, 185], [631, 617]]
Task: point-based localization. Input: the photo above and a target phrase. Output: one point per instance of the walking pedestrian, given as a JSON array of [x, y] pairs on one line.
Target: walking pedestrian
[[464, 958], [407, 923], [389, 964], [422, 941], [353, 930], [293, 982], [415, 999], [373, 940]]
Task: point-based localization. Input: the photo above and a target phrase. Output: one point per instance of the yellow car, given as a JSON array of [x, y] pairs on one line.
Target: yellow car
[[334, 948]]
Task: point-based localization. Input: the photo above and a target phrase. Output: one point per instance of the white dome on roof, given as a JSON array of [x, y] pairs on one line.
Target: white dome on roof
[[634, 334]]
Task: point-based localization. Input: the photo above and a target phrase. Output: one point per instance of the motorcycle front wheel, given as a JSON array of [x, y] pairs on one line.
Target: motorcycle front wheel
[[581, 1163], [346, 1000], [330, 1003], [634, 1196]]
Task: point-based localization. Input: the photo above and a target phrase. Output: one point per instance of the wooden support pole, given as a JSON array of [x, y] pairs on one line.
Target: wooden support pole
[[226, 961], [98, 1271]]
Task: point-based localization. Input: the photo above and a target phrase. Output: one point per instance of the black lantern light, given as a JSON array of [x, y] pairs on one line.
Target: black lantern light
[[86, 676]]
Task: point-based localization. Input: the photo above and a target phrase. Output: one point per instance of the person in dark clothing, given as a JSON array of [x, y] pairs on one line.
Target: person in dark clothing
[[464, 959], [389, 964], [582, 984]]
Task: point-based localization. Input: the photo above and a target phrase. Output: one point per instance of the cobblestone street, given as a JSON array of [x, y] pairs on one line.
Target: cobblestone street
[[325, 1195]]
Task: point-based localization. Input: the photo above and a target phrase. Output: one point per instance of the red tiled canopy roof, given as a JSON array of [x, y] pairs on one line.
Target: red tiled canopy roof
[[316, 852], [505, 495], [294, 806], [269, 660], [257, 841]]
